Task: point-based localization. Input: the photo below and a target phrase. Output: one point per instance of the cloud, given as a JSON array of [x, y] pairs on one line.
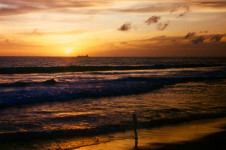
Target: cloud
[[152, 19], [163, 46], [147, 8], [125, 27], [189, 35], [17, 9], [162, 26], [185, 9], [216, 38], [12, 7], [123, 43], [33, 32], [198, 40], [37, 32], [172, 40], [6, 41], [16, 43], [221, 4]]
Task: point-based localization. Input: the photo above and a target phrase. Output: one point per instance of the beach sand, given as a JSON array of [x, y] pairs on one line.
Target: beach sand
[[201, 134], [215, 141], [208, 134]]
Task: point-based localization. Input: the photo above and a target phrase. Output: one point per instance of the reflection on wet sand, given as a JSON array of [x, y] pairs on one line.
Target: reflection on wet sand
[[158, 137]]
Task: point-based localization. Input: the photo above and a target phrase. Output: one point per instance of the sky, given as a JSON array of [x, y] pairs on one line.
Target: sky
[[113, 28]]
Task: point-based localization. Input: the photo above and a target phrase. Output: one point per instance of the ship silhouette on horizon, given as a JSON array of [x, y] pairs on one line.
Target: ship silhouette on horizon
[[81, 56]]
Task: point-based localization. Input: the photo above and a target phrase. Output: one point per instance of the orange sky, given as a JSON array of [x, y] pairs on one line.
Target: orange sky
[[113, 28]]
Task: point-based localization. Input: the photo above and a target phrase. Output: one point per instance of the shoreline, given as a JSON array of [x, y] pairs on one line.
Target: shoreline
[[209, 142], [189, 135]]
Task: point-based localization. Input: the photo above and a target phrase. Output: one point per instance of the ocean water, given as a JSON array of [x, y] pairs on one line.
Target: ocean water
[[57, 97]]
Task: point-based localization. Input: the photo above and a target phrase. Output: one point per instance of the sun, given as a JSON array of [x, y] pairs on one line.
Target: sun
[[68, 50]]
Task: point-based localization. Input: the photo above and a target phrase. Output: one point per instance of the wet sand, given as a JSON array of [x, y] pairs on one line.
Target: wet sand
[[202, 134], [215, 141], [195, 135]]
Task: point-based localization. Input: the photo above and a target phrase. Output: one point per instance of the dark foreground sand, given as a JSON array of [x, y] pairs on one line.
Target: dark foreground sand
[[216, 141], [196, 135]]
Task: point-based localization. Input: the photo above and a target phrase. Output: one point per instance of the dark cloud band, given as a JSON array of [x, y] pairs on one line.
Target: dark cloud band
[[125, 27]]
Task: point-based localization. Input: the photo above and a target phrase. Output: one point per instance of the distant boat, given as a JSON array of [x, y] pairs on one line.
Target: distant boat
[[86, 56]]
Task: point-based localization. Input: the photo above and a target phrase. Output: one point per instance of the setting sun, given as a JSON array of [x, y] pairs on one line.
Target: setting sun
[[68, 50]]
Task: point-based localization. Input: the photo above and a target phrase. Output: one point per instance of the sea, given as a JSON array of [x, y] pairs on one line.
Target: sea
[[70, 102]]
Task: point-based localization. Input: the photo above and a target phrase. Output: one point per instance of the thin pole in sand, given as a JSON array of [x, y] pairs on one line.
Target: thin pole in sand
[[135, 129]]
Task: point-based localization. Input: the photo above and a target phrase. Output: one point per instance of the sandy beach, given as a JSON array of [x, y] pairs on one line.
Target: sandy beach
[[209, 142], [202, 134]]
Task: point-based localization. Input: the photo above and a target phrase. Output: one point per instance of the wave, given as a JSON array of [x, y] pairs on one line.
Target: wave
[[23, 84], [51, 90], [181, 77], [15, 84], [27, 70]]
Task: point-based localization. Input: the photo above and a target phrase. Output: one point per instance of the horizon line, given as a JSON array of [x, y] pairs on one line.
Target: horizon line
[[130, 56]]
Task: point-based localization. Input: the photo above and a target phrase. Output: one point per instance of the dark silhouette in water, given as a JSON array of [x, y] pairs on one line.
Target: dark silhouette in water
[[135, 129], [51, 81]]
